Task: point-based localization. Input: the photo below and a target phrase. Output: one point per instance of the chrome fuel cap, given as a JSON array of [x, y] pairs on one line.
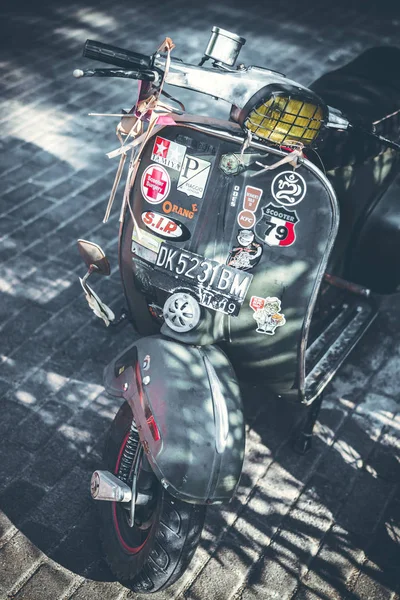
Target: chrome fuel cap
[[181, 312]]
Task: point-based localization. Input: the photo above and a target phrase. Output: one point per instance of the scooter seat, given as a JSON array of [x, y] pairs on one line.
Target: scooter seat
[[367, 88], [367, 91]]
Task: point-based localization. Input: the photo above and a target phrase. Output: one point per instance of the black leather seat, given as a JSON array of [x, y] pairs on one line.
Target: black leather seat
[[366, 90]]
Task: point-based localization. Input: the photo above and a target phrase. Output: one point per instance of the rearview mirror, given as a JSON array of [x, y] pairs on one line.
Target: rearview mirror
[[94, 258]]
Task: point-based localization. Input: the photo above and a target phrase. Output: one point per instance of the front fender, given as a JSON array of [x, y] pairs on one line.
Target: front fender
[[187, 407]]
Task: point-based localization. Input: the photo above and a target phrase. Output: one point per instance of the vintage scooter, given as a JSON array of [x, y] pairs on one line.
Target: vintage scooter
[[234, 264]]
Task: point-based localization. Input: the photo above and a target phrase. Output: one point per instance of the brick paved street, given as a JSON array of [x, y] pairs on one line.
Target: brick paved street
[[322, 526]]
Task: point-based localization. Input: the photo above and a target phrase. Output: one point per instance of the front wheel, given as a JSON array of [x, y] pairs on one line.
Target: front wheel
[[153, 553]]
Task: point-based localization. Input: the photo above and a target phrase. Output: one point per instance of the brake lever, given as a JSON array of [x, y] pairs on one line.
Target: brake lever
[[122, 73]]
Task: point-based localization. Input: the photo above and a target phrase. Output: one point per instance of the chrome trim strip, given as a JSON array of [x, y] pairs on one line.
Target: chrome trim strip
[[221, 418]]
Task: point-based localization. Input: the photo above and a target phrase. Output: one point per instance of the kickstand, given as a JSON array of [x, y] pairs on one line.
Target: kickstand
[[303, 439]]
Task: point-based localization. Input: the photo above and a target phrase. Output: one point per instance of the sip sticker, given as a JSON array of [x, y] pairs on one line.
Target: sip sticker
[[193, 177], [155, 184], [165, 227], [167, 153]]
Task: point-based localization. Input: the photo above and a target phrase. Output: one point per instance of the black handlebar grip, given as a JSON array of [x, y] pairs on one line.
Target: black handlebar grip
[[116, 56]]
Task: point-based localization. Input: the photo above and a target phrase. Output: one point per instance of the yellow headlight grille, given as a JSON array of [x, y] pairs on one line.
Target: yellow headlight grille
[[283, 120]]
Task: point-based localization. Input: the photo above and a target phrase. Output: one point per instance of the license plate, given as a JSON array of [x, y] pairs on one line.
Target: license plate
[[217, 286]]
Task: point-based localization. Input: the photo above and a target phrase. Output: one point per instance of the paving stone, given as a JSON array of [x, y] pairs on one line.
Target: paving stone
[[387, 380], [11, 413], [333, 566], [18, 195], [385, 457], [16, 557], [6, 526], [365, 504], [54, 461], [30, 210], [215, 581], [367, 586], [48, 583], [18, 330], [39, 426], [4, 387], [82, 546], [43, 536], [19, 499], [93, 590], [63, 515]]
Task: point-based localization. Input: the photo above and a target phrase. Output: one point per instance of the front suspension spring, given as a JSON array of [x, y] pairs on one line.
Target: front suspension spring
[[128, 456]]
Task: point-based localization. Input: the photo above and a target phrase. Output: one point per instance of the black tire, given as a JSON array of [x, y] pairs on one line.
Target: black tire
[[148, 557]]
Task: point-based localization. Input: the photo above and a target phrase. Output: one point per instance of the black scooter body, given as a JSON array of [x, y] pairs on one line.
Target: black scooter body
[[188, 207], [292, 273]]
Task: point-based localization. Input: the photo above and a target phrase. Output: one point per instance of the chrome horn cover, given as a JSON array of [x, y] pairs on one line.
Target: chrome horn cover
[[181, 312]]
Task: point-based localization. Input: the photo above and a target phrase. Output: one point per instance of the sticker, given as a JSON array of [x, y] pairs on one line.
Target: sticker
[[165, 227], [146, 363], [146, 239], [235, 194], [252, 197], [168, 207], [266, 314], [167, 153], [144, 253], [277, 226], [288, 188], [121, 370], [247, 255], [193, 176], [230, 164], [246, 219], [155, 184]]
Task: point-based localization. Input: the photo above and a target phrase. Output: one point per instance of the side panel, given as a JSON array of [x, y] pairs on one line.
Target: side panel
[[187, 407], [373, 255], [279, 226]]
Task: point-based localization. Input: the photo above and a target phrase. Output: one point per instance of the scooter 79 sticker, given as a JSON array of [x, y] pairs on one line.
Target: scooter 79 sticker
[[276, 227], [155, 184]]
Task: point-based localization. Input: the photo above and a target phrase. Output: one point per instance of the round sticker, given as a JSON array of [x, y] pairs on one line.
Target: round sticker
[[288, 188], [165, 227], [246, 219], [155, 184]]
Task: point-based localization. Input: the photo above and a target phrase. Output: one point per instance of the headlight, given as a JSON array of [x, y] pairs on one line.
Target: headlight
[[284, 116]]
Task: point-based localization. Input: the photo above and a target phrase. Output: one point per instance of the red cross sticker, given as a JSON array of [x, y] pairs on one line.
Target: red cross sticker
[[155, 184]]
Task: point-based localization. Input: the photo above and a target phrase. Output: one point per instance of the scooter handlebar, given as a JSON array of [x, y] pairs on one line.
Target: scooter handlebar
[[116, 56]]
